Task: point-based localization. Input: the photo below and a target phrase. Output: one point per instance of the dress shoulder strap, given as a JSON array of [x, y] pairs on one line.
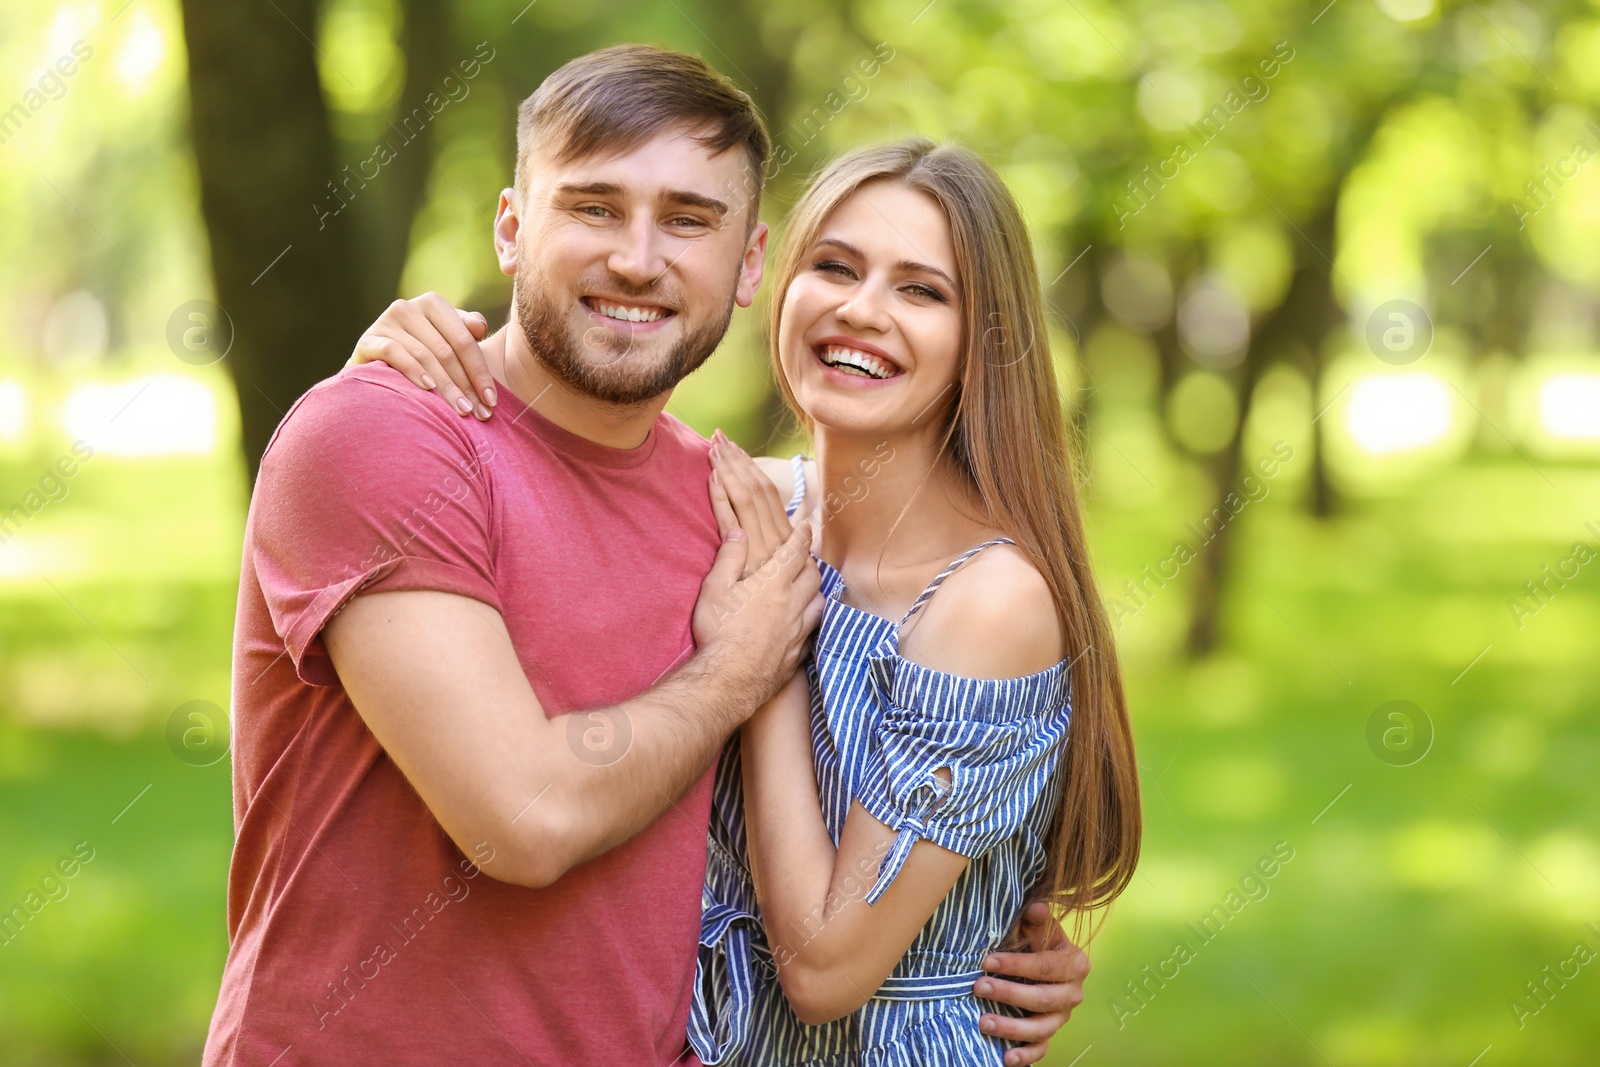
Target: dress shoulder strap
[[798, 497], [954, 566]]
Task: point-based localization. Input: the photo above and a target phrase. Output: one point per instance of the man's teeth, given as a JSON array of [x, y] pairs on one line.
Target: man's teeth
[[629, 314], [838, 356]]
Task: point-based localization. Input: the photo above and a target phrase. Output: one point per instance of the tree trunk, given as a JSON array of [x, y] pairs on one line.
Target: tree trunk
[[1322, 499], [1307, 314], [261, 142], [384, 214]]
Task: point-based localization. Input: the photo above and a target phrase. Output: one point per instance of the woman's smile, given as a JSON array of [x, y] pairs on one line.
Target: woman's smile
[[855, 362]]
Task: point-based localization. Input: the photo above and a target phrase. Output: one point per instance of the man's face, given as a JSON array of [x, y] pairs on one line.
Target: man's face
[[627, 267]]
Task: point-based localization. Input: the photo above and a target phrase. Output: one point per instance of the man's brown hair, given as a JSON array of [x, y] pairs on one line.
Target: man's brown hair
[[614, 99]]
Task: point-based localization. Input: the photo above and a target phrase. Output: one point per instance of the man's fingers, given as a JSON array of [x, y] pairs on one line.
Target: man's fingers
[[1036, 1030], [1026, 1054], [812, 615], [1054, 965], [1031, 998], [727, 567], [795, 552], [1038, 915]]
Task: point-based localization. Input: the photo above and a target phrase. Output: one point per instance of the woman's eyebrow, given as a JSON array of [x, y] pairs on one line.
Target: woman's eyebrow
[[903, 265]]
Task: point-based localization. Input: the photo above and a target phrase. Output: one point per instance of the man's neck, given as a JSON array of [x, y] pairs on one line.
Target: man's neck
[[615, 426]]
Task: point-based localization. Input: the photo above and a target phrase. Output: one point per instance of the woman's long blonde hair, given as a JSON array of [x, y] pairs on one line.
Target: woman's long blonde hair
[[1005, 431]]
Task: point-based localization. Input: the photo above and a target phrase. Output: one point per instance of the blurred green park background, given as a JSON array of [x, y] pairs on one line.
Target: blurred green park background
[[1323, 283]]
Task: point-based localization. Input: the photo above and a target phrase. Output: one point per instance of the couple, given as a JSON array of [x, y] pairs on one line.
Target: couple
[[483, 667]]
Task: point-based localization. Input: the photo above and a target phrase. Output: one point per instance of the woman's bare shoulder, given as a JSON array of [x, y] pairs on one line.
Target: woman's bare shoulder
[[993, 618]]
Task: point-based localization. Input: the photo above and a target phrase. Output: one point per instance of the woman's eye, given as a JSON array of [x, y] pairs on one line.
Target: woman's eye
[[833, 266], [928, 292]]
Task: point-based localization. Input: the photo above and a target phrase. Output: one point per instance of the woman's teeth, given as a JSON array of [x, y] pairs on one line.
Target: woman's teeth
[[859, 362], [629, 314]]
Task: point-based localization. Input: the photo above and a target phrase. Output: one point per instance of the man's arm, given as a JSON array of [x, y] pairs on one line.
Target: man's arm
[[436, 679]]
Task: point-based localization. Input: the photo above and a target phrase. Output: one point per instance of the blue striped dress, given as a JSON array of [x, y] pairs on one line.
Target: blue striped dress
[[881, 726]]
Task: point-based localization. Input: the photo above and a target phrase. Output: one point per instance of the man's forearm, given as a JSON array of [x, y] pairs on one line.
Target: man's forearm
[[617, 769]]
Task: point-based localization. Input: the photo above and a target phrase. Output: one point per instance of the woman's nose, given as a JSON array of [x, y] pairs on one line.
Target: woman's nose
[[865, 309]]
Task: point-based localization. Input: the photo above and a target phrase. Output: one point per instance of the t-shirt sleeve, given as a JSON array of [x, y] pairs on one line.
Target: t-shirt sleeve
[[999, 741], [367, 486]]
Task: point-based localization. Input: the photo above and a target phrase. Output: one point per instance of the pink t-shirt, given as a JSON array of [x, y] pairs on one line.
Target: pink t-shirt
[[359, 932]]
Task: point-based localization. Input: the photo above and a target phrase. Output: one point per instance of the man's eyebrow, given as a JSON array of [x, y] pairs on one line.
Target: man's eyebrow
[[589, 188], [903, 265], [699, 200], [671, 196]]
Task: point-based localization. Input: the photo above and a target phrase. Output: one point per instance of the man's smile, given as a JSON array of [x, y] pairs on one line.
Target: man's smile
[[617, 312]]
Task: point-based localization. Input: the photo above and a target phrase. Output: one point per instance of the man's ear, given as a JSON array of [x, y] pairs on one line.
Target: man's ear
[[752, 266], [506, 227]]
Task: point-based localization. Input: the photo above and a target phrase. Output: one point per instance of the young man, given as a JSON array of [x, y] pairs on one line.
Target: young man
[[482, 668]]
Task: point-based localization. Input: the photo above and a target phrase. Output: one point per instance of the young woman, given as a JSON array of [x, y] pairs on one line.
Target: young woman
[[879, 825]]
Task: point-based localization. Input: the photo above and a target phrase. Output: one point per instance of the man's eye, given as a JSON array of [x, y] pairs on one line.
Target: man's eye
[[687, 221], [594, 211]]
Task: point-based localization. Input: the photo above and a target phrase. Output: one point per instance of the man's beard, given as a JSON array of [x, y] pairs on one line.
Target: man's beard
[[603, 363]]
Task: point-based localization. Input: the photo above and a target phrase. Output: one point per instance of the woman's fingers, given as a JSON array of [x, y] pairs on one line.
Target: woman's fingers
[[463, 359], [759, 497], [373, 348], [744, 497], [404, 325], [720, 507], [409, 318]]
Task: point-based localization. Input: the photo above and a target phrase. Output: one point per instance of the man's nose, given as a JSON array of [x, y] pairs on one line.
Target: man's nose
[[640, 255]]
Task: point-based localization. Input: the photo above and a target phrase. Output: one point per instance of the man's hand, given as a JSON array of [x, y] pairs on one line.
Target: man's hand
[[1059, 968], [436, 347]]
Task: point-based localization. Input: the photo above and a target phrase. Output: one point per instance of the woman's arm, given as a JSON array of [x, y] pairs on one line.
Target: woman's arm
[[832, 949]]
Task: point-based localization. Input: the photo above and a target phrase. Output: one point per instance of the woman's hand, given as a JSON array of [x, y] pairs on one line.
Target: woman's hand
[[436, 347], [744, 497], [1059, 969]]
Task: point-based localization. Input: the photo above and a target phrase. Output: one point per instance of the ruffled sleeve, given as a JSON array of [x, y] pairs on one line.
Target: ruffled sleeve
[[999, 741]]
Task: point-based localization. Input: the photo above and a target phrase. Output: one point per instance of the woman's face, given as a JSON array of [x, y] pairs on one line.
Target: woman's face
[[870, 333]]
